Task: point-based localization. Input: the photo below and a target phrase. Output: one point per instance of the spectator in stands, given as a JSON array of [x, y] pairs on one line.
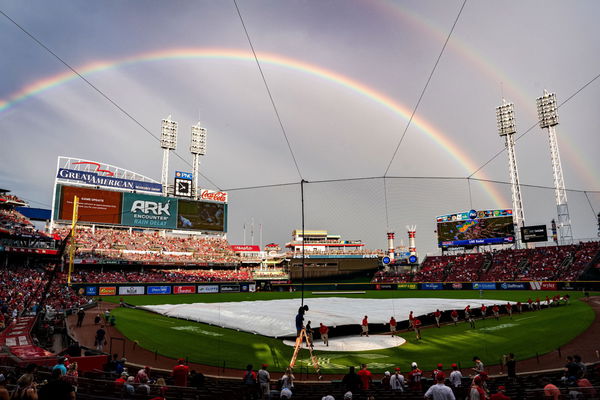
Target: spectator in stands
[[455, 377], [4, 395], [56, 388], [550, 390], [143, 375], [285, 394], [439, 391], [385, 381], [351, 381], [250, 383], [196, 379], [415, 376], [397, 381], [264, 381], [511, 366], [477, 392], [121, 380], [162, 387], [72, 375], [479, 367], [366, 377], [582, 369], [128, 387], [499, 395], [180, 373], [287, 380], [60, 365]]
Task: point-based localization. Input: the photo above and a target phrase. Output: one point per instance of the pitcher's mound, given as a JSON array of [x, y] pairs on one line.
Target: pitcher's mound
[[355, 343]]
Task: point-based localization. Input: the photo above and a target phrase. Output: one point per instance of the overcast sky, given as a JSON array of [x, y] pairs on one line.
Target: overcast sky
[[344, 77]]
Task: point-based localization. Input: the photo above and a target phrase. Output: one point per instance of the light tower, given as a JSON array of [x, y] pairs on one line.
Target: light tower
[[412, 247], [197, 148], [391, 250], [546, 106], [505, 116], [168, 142]]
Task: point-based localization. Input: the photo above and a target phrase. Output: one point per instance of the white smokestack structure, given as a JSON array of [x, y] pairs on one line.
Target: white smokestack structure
[[391, 252], [412, 247]]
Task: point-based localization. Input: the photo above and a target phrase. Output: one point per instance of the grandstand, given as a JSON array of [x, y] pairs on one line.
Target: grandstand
[[552, 263]]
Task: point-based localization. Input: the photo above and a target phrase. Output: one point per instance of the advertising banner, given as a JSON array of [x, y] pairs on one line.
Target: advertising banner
[[91, 291], [131, 290], [149, 211], [184, 289], [514, 286], [537, 285], [159, 289], [211, 195], [230, 288], [407, 286], [208, 288], [252, 288], [457, 286], [92, 178], [432, 286], [108, 290], [244, 287], [101, 206], [244, 248], [484, 285], [201, 215]]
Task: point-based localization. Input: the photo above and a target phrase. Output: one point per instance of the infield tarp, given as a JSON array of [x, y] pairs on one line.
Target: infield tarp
[[275, 318]]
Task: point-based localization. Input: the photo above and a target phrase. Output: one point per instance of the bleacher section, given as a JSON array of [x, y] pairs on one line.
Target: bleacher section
[[553, 263]]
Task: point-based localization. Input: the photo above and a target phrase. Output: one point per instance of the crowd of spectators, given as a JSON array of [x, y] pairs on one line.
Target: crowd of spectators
[[560, 263], [161, 275], [22, 290], [5, 198], [15, 223], [102, 244]]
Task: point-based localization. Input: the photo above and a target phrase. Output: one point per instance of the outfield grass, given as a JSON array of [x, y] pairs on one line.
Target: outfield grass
[[525, 335]]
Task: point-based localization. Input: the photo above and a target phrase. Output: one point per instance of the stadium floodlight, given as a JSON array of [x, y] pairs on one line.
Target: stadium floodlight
[[548, 118], [505, 117], [168, 142], [197, 148], [547, 110]]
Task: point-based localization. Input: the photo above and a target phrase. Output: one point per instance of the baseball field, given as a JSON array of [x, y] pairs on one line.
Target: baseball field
[[526, 335]]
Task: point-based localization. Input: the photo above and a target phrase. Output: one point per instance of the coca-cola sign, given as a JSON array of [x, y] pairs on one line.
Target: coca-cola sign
[[211, 195]]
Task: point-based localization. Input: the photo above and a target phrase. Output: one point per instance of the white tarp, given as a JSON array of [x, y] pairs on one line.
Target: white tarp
[[276, 318]]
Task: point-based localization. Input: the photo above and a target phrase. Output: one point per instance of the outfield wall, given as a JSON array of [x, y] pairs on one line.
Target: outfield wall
[[128, 289]]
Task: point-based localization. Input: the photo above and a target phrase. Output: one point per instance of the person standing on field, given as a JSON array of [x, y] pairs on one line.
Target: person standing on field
[[364, 327], [393, 326], [324, 331]]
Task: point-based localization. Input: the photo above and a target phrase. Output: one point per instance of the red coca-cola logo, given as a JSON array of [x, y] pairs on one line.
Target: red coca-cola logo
[[214, 196]]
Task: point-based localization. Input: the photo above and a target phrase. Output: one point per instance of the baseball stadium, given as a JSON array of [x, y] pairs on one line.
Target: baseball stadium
[[128, 270]]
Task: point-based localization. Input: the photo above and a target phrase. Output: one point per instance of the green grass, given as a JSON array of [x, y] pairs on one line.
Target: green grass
[[525, 335]]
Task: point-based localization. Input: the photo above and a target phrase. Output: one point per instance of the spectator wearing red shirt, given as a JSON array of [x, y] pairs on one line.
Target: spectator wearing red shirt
[[180, 373], [550, 390], [366, 378], [324, 331], [120, 381], [499, 395], [365, 327], [414, 378], [393, 326]]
